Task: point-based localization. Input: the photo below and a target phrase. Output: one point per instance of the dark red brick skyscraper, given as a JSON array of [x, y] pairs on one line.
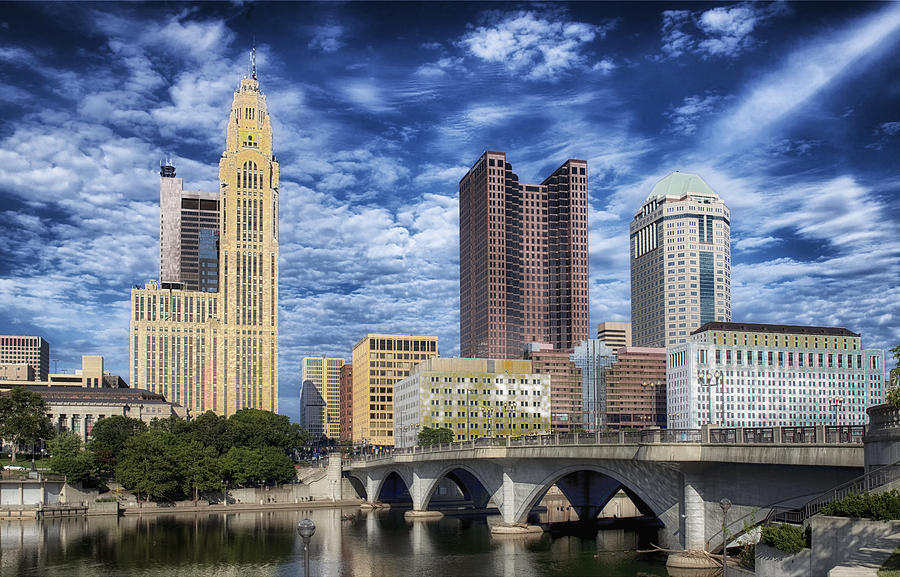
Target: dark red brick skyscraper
[[523, 263]]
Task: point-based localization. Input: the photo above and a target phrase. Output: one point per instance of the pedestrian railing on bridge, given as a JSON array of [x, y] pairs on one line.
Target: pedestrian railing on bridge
[[872, 480], [820, 434]]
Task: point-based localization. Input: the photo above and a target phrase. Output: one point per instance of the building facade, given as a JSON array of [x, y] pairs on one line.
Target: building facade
[[522, 259], [760, 375], [78, 409], [219, 350], [325, 374], [636, 389], [592, 356], [566, 412], [680, 261], [312, 410], [29, 350], [91, 375], [188, 234], [346, 430], [473, 398], [379, 362], [614, 335]]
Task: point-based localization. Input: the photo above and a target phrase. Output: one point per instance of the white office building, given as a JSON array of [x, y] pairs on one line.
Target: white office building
[[760, 375]]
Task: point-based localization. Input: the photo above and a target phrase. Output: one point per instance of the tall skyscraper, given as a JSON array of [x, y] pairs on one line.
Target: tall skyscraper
[[219, 350], [188, 234], [680, 261], [615, 335], [379, 361], [31, 351], [523, 261], [324, 374]]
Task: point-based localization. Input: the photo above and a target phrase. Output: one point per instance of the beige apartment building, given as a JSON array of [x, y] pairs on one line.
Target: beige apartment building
[[29, 350], [219, 350], [614, 335], [324, 373], [380, 361], [680, 261]]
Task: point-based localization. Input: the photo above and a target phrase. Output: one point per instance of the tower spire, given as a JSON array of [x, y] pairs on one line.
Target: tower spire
[[253, 60]]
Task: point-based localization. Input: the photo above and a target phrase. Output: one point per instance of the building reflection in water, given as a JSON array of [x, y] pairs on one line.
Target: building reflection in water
[[371, 544]]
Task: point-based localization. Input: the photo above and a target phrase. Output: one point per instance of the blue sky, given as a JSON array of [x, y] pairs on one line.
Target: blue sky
[[791, 112]]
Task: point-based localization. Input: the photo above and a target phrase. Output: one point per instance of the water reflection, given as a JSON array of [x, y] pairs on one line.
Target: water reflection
[[371, 544]]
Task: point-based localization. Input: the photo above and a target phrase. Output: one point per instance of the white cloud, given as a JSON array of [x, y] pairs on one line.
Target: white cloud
[[327, 38], [802, 75], [889, 128], [723, 31], [604, 66], [537, 46], [684, 118], [753, 243]]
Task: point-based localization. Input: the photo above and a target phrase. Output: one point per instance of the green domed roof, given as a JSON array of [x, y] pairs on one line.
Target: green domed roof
[[680, 184]]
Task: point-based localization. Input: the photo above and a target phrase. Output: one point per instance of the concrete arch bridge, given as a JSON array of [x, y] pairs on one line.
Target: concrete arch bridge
[[679, 477]]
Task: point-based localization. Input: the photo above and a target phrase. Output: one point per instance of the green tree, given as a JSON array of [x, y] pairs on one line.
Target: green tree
[[108, 438], [257, 429], [210, 430], [68, 457], [438, 436], [23, 418], [895, 372], [200, 467], [149, 464], [248, 466], [173, 424]]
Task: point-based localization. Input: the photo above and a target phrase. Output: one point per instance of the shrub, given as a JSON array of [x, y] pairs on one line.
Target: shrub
[[787, 538], [893, 397], [747, 556], [876, 506]]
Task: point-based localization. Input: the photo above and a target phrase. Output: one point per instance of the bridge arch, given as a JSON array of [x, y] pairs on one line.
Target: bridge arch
[[475, 483], [358, 484], [618, 479], [389, 477]]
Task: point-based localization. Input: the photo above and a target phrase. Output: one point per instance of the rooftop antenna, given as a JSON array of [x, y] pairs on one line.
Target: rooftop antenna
[[253, 60]]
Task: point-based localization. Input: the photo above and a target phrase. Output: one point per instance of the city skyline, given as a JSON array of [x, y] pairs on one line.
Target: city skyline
[[788, 111]]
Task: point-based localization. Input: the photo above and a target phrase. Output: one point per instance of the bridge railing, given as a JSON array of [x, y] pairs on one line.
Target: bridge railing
[[872, 480], [820, 434]]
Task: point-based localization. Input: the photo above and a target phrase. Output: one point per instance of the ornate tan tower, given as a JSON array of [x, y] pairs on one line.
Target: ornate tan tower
[[219, 351], [248, 254]]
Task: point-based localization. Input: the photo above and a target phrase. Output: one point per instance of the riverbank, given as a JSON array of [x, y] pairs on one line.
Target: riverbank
[[154, 508]]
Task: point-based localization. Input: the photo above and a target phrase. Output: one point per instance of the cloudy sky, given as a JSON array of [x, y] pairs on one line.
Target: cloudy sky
[[791, 112]]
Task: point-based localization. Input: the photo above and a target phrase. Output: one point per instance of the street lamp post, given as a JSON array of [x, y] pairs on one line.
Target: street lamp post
[[306, 529], [709, 380], [489, 414], [834, 405], [508, 406], [725, 504]]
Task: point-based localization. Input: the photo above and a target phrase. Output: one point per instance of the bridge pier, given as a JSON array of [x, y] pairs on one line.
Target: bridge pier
[[694, 515]]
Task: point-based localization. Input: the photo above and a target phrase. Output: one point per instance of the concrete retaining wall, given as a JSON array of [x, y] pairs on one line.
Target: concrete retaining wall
[[771, 562], [835, 539]]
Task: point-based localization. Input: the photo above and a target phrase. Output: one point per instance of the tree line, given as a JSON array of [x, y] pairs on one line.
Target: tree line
[[169, 458]]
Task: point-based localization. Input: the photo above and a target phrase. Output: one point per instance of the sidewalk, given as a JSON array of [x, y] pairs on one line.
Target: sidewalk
[[867, 560]]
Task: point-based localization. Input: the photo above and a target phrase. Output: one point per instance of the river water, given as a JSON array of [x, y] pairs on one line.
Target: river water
[[250, 544]]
